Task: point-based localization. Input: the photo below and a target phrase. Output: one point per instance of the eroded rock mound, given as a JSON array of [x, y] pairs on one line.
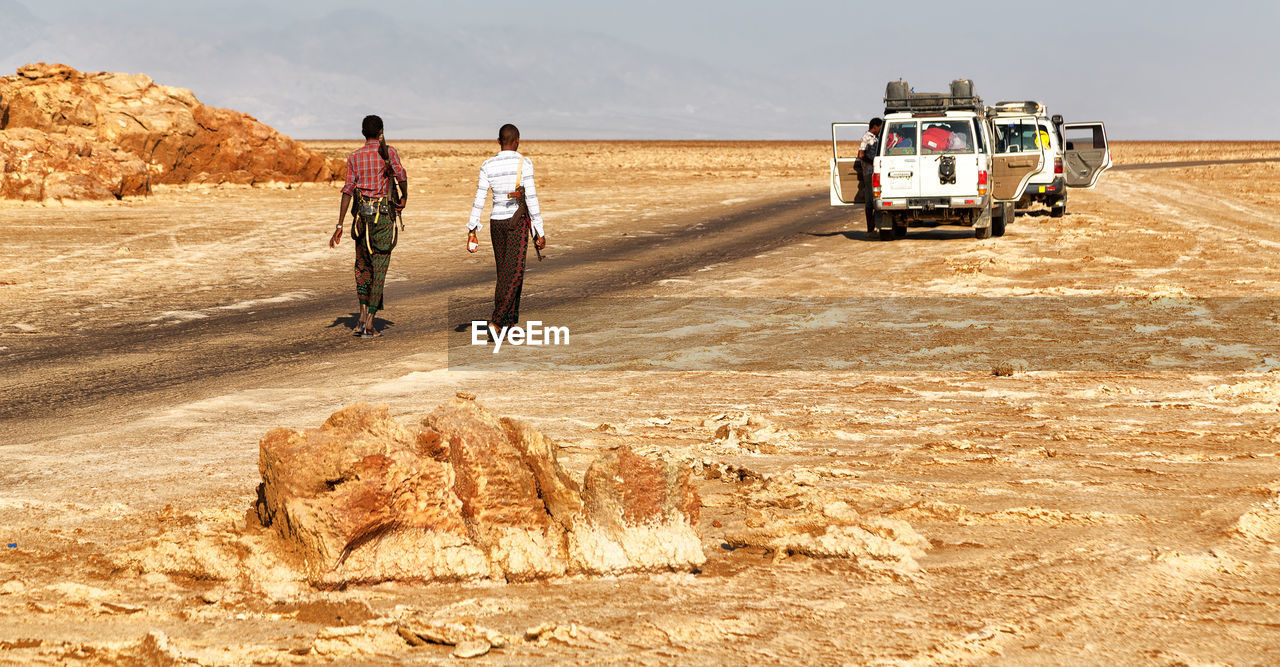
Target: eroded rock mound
[[65, 134], [35, 165], [787, 515], [466, 495]]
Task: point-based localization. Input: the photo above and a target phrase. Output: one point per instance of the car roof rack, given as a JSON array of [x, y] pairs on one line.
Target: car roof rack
[[899, 97], [938, 102], [1030, 107]]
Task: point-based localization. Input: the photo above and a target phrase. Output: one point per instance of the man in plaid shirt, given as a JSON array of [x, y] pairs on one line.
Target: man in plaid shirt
[[373, 228]]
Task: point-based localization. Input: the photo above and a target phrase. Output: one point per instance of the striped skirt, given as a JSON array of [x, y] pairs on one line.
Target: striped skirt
[[510, 244]]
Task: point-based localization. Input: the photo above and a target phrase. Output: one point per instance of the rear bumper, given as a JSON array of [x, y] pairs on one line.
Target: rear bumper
[[930, 203], [1052, 190]]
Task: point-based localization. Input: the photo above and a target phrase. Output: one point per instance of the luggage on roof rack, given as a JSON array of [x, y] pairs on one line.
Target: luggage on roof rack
[[898, 97], [897, 90], [962, 88]]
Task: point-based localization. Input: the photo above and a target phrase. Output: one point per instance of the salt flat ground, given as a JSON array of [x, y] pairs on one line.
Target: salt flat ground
[[1116, 498]]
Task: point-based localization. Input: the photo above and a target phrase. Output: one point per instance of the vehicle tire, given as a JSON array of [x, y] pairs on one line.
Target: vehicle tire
[[982, 232], [1058, 211], [887, 235], [899, 231], [997, 226]]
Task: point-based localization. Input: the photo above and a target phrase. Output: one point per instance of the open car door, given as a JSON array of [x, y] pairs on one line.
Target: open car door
[[846, 182], [1016, 158], [1085, 154]]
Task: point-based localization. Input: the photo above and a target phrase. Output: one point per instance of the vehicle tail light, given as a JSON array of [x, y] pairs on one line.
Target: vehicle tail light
[[1057, 166], [875, 184], [982, 182]]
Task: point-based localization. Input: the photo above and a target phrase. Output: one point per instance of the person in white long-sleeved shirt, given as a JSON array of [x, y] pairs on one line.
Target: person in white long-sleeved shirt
[[508, 231]]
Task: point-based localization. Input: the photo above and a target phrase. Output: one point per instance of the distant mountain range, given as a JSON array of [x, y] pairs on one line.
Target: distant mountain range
[[664, 69], [317, 78]]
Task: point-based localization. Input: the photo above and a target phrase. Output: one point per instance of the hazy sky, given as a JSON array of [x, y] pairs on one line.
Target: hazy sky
[[672, 69]]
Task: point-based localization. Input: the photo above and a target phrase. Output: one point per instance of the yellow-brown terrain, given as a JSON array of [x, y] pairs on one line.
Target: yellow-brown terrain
[[1093, 480]]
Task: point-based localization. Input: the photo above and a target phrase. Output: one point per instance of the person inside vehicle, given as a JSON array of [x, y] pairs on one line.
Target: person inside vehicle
[[1042, 139]]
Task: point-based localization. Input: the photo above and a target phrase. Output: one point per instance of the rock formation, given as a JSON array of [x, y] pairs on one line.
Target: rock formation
[[466, 495], [35, 165], [788, 515], [65, 134]]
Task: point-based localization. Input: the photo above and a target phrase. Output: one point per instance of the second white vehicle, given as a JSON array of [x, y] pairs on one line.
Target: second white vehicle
[[935, 164], [1049, 184]]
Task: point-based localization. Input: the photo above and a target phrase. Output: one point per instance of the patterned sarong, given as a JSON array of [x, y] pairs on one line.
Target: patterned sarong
[[374, 217], [510, 244]]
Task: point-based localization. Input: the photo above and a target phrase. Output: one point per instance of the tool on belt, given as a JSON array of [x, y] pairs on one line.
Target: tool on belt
[[376, 207]]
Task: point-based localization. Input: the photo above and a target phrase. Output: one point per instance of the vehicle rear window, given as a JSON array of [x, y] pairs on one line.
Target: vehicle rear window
[[938, 137], [1085, 138], [1013, 137], [901, 138]]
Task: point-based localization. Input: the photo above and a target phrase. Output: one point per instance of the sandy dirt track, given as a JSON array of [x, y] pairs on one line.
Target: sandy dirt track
[[1123, 511]]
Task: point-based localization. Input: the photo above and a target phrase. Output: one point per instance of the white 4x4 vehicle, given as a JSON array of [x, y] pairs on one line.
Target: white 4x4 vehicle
[[1049, 184], [937, 162]]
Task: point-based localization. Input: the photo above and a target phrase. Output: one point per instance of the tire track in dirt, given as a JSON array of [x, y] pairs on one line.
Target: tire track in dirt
[[1220, 243], [125, 366], [1193, 163]]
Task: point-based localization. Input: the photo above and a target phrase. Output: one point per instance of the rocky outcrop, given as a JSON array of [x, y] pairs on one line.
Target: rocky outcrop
[[65, 134], [788, 514], [466, 495], [35, 165]]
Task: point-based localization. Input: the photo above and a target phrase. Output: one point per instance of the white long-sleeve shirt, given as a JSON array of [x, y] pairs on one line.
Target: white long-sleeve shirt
[[498, 174]]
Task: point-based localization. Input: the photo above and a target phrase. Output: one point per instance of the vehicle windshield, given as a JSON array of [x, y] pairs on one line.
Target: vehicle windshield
[[938, 137], [900, 138], [1021, 136]]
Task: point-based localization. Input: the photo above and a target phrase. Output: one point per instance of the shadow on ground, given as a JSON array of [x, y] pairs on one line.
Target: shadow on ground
[[351, 319]]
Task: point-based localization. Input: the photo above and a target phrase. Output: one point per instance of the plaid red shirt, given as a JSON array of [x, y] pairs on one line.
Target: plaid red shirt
[[365, 170]]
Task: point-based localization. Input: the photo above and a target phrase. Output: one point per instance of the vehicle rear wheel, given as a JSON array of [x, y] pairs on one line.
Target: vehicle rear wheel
[[982, 232], [1058, 210], [887, 235], [999, 219]]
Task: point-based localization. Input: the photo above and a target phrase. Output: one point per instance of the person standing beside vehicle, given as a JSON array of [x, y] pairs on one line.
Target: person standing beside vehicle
[[867, 151]]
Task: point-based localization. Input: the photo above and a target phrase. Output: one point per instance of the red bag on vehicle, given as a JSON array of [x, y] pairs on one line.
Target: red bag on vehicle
[[936, 138]]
